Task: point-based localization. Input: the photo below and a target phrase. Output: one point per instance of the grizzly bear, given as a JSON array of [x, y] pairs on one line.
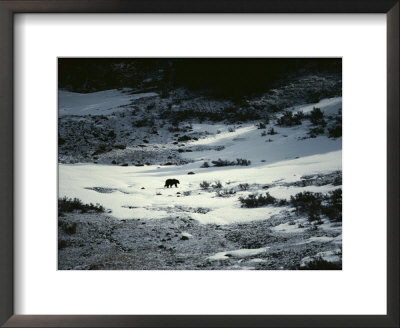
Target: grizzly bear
[[171, 182]]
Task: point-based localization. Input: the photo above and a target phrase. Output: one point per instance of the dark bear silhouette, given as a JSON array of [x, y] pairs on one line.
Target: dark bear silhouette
[[171, 182]]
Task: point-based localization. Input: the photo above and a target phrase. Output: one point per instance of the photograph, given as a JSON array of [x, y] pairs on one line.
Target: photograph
[[199, 163]]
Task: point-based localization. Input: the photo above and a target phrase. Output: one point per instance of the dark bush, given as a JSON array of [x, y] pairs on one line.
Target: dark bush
[[333, 207], [307, 202], [142, 123], [184, 138], [316, 131], [221, 162], [271, 132], [205, 165], [288, 119], [239, 161], [335, 131], [217, 185], [242, 162], [62, 244], [111, 134], [317, 117], [67, 205], [261, 125], [255, 200], [244, 186], [204, 184], [315, 204], [226, 192], [283, 202], [70, 229], [321, 264]]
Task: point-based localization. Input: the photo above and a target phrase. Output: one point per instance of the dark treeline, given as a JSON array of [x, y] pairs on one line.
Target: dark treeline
[[219, 76]]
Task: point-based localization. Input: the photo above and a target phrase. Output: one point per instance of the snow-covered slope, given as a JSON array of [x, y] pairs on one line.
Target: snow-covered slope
[[96, 103], [276, 161]]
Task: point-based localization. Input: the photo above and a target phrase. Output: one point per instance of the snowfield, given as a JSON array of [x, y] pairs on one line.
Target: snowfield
[[96, 103], [127, 199], [138, 192], [206, 225]]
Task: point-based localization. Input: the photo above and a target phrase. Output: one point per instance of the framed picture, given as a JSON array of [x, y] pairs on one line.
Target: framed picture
[[196, 164]]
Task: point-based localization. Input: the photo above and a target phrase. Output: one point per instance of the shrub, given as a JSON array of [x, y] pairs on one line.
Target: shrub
[[62, 244], [264, 133], [226, 192], [184, 138], [321, 264], [231, 129], [244, 186], [66, 205], [217, 185], [333, 207], [239, 161], [150, 106], [307, 202], [141, 123], [298, 116], [316, 131], [70, 229], [317, 117], [205, 165], [315, 204], [204, 184], [261, 125], [221, 162], [271, 132], [282, 202], [111, 134], [255, 200], [288, 119], [335, 131], [242, 162]]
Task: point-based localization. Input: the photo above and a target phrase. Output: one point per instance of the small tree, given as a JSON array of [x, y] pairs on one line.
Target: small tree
[[317, 117]]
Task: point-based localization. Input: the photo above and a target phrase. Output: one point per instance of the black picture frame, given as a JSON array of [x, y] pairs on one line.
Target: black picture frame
[[10, 7]]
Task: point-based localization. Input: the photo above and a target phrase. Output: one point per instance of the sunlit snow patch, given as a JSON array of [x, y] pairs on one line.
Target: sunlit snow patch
[[329, 256], [96, 103], [239, 253]]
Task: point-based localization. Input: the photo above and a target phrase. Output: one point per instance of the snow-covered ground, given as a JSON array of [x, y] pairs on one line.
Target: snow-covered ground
[[127, 199], [190, 226], [138, 192], [96, 103]]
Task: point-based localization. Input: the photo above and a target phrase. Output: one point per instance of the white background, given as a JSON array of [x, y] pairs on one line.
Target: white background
[[360, 288]]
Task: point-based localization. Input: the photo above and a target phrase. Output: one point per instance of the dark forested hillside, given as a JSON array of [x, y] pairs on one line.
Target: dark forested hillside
[[219, 76]]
